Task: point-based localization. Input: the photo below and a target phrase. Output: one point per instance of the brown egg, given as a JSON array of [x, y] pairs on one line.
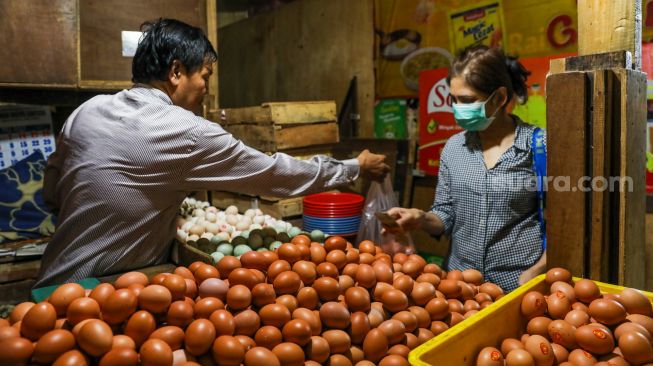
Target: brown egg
[[345, 282], [586, 291], [612, 359], [635, 302], [350, 270], [120, 357], [334, 315], [268, 336], [223, 322], [131, 277], [607, 311], [471, 305], [247, 342], [82, 308], [360, 326], [307, 271], [540, 348], [199, 337], [424, 335], [263, 294], [338, 341], [353, 256], [519, 357], [64, 295], [455, 306], [539, 325], [628, 327], [533, 305], [180, 313], [339, 360], [289, 354], [421, 315], [318, 253], [595, 339], [239, 297], [365, 258], [184, 272], [367, 246], [409, 320], [52, 345], [565, 288], [437, 308], [579, 357], [560, 353], [558, 305], [139, 327], [327, 288], [172, 335], [382, 271], [8, 332], [275, 314], [215, 287], [226, 265], [399, 350], [242, 276], [158, 279], [357, 299], [404, 284], [247, 323], [394, 331], [289, 252], [301, 239], [253, 260], [510, 344], [122, 341], [557, 274], [450, 288], [375, 345], [580, 306], [259, 356], [636, 348], [269, 258], [411, 268], [365, 277], [72, 358], [297, 331], [288, 301], [95, 337], [191, 288], [228, 350], [491, 289], [562, 333], [394, 300], [38, 320], [16, 351], [118, 306], [472, 276], [204, 272], [577, 318], [155, 299], [155, 352], [19, 311], [287, 282], [489, 356], [355, 354], [176, 284], [308, 298], [311, 318], [375, 317], [643, 320], [422, 293], [411, 341], [338, 258]]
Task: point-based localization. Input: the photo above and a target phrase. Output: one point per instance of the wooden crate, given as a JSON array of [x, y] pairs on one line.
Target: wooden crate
[[78, 43], [279, 208], [281, 126]]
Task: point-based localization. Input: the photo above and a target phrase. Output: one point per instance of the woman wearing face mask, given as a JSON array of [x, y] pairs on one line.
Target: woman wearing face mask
[[485, 198]]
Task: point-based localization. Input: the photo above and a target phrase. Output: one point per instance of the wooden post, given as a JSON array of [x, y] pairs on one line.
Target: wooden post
[[212, 34], [610, 25], [596, 108]]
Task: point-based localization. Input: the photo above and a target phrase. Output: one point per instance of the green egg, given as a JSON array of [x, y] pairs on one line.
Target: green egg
[[255, 241], [217, 256], [226, 249], [216, 240], [238, 240], [317, 235], [241, 249], [268, 231], [283, 237], [245, 234], [262, 250], [294, 231], [274, 245]]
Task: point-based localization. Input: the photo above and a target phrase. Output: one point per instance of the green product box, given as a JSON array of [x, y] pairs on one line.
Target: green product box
[[390, 119]]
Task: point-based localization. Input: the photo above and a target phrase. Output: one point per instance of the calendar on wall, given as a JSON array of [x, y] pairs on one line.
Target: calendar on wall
[[23, 130]]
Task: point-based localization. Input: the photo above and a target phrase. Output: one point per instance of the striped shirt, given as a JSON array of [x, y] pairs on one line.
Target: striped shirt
[[125, 162], [490, 214]]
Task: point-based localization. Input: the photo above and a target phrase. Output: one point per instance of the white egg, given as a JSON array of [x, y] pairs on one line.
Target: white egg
[[259, 212], [250, 213], [201, 221], [211, 217], [232, 219], [242, 225], [222, 235], [182, 235], [221, 215], [279, 227], [198, 212], [288, 226], [211, 209], [226, 228], [231, 210], [207, 235], [191, 201], [255, 226], [196, 230], [212, 227], [193, 238], [258, 220], [187, 225], [236, 233], [204, 204]]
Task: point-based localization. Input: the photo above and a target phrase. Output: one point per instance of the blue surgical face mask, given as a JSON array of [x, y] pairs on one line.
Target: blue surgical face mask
[[471, 116]]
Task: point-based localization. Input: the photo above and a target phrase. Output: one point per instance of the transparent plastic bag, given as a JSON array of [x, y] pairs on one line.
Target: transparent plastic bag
[[380, 198]]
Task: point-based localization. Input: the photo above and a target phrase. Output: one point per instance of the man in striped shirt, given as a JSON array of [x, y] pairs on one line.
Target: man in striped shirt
[[125, 162]]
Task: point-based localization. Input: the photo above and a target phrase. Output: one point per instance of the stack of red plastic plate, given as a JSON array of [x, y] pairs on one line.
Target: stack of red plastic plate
[[333, 213]]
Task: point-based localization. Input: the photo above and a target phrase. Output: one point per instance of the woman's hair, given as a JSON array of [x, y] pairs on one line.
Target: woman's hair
[[487, 69], [166, 40]]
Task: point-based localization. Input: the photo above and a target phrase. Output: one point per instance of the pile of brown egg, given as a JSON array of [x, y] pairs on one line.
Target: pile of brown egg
[[304, 304], [577, 326]]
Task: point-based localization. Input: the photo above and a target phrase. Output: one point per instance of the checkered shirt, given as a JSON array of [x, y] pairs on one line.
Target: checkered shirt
[[490, 214]]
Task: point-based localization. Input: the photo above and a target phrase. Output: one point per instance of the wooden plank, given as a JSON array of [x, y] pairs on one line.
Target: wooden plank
[[258, 137], [567, 97], [16, 271], [556, 66], [601, 135], [275, 207], [599, 61], [632, 208], [16, 292], [610, 25], [281, 113], [306, 135], [41, 39], [212, 34], [290, 54], [101, 24]]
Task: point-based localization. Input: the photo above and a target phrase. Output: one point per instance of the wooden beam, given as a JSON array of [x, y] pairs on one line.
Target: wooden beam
[[567, 99], [610, 25], [212, 34]]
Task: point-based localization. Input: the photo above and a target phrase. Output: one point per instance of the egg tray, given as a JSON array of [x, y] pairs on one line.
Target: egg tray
[[461, 344]]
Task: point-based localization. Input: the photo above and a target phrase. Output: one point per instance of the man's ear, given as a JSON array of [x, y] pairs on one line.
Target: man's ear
[[174, 74]]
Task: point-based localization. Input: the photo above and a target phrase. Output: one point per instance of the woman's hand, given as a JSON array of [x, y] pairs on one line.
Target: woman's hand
[[536, 270], [407, 218]]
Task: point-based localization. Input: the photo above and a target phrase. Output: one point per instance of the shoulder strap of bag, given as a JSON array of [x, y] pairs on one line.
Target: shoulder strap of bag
[[539, 166]]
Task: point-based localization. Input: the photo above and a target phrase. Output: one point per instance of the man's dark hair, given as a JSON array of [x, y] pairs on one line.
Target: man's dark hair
[[166, 40]]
